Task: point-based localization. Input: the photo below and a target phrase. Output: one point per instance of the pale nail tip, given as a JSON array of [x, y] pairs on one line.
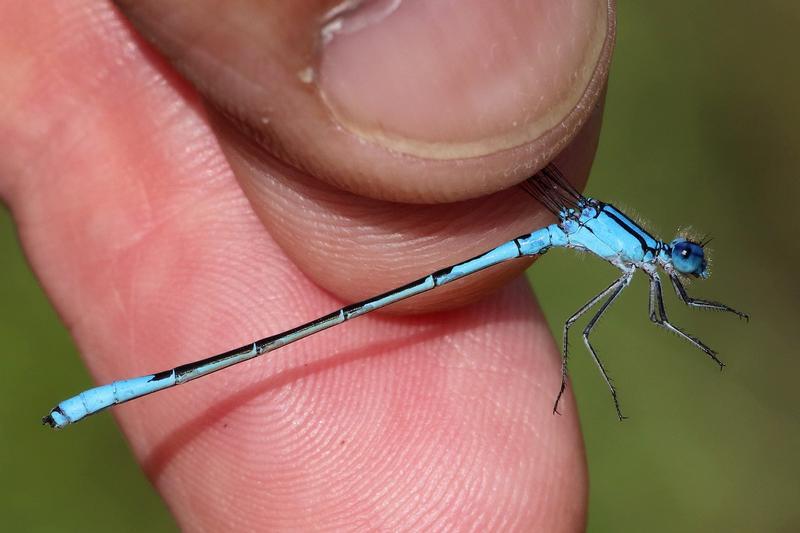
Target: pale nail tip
[[518, 135]]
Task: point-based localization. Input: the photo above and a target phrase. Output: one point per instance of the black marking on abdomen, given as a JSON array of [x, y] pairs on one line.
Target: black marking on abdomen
[[159, 376]]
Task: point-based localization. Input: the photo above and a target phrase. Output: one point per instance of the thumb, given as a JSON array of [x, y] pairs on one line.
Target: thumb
[[406, 89], [327, 110]]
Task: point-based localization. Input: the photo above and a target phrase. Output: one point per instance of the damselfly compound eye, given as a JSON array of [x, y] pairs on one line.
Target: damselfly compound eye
[[688, 257]]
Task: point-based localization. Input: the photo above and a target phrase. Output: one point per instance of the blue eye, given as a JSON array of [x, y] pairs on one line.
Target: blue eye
[[688, 258]]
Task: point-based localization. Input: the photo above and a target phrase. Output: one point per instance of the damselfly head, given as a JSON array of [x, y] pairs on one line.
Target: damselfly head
[[689, 258]]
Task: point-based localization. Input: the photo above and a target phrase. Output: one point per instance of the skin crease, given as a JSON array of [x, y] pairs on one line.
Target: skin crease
[[160, 231]]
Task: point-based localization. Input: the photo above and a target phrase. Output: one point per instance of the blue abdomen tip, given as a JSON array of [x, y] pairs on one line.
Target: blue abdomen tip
[[56, 419]]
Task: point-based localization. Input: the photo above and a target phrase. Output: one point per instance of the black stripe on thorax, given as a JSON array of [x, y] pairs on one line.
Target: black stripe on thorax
[[626, 227]]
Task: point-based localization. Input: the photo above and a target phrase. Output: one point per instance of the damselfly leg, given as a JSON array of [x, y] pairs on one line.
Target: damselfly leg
[[567, 325], [702, 304], [622, 283], [611, 292], [658, 315]]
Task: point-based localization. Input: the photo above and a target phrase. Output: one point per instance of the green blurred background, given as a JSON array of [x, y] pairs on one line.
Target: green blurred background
[[702, 127]]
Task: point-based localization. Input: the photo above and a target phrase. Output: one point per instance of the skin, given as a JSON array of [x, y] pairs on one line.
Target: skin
[[180, 188]]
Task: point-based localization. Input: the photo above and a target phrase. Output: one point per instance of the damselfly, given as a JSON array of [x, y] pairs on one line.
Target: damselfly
[[584, 224]]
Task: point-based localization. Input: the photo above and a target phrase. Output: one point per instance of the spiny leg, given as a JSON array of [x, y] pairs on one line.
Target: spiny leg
[[702, 304], [658, 315], [622, 283], [568, 324]]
